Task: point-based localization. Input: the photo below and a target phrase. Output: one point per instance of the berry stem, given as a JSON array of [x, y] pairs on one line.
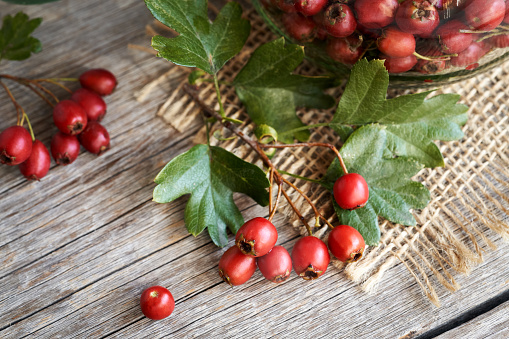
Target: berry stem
[[51, 81], [14, 102], [311, 144], [278, 196], [39, 90], [209, 112], [432, 58], [25, 116], [299, 177], [304, 128], [218, 94], [271, 179]]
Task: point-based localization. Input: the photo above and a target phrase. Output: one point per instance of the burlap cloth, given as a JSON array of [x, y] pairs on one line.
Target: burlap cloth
[[470, 201]]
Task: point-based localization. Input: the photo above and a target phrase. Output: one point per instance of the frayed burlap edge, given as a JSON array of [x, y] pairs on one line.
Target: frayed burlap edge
[[469, 207]]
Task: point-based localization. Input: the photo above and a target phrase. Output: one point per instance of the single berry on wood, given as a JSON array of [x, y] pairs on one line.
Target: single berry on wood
[[15, 145], [91, 102], [235, 267], [95, 138], [38, 163], [256, 237], [276, 265], [157, 303], [346, 243], [99, 80], [69, 117], [310, 257], [351, 191], [64, 148]]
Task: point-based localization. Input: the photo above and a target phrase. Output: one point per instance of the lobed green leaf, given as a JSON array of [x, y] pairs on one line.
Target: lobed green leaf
[[16, 42]]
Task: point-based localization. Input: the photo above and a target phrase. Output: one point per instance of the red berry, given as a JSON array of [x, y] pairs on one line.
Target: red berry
[[345, 50], [310, 257], [399, 65], [38, 163], [375, 14], [99, 80], [346, 243], [451, 39], [395, 43], [276, 265], [69, 117], [339, 20], [485, 15], [351, 191], [157, 303], [500, 41], [15, 145], [235, 267], [64, 148], [471, 55], [299, 27], [310, 7], [95, 138], [433, 66], [287, 6], [256, 237], [93, 105], [506, 17], [418, 17]]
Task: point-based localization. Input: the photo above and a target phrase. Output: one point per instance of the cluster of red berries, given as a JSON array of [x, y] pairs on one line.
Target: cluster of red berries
[[255, 240], [78, 122], [427, 36]]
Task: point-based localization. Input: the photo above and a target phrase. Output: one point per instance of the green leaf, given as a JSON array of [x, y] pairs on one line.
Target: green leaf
[[28, 2], [15, 40], [201, 43], [392, 193], [271, 92], [211, 175], [412, 121]]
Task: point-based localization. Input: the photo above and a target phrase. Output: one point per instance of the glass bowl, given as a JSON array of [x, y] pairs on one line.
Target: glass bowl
[[425, 43]]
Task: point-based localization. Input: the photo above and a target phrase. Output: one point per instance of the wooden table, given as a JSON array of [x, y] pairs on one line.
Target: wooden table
[[79, 247]]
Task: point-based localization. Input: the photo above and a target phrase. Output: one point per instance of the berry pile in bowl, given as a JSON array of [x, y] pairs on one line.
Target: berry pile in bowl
[[423, 42]]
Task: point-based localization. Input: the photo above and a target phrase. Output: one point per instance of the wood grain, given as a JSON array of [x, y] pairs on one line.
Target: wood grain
[[78, 248]]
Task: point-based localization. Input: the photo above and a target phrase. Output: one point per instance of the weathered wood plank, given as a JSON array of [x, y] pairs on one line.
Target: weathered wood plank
[[493, 324]]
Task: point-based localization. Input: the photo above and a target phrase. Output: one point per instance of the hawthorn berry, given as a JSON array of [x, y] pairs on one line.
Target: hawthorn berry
[[92, 103], [346, 243], [309, 7], [95, 138], [375, 14], [419, 17], [396, 43], [38, 163], [98, 80], [157, 303], [471, 55], [351, 191], [485, 15], [256, 237], [451, 39], [299, 27], [399, 65], [499, 41], [64, 148], [310, 257], [235, 267], [287, 6], [345, 50], [15, 145], [69, 117], [339, 20], [276, 265]]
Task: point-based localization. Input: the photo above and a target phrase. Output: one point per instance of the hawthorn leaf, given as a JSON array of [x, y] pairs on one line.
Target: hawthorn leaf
[[270, 92], [211, 175], [201, 43], [392, 193], [16, 42], [412, 121]]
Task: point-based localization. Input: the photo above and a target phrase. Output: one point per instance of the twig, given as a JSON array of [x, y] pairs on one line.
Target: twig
[[311, 144], [297, 212], [279, 189], [14, 102]]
